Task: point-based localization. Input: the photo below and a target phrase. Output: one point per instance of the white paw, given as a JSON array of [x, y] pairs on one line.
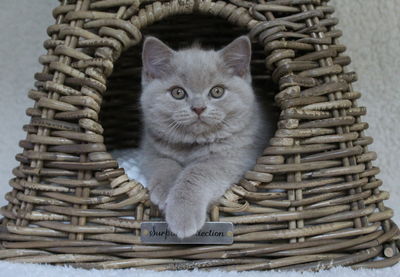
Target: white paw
[[185, 218]]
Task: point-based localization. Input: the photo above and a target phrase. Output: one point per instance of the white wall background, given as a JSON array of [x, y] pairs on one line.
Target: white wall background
[[371, 33]]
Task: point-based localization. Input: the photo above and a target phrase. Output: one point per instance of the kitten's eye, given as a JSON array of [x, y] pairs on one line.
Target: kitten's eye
[[217, 92], [178, 93]]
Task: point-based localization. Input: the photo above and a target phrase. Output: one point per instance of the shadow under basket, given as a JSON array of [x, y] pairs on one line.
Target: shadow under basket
[[311, 202]]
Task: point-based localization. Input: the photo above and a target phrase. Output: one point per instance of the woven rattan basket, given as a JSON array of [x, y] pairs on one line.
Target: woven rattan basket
[[311, 202]]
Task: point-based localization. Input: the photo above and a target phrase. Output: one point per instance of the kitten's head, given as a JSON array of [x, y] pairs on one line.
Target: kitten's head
[[196, 95]]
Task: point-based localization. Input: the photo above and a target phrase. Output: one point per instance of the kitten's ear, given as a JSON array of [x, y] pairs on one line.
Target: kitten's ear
[[237, 56], [156, 57]]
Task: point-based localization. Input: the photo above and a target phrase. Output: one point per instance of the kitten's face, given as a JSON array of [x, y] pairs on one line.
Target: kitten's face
[[196, 95]]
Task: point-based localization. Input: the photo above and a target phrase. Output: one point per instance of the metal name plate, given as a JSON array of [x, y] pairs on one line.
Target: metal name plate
[[211, 233]]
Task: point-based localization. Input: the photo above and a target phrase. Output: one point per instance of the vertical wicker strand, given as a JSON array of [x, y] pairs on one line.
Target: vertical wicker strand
[[71, 42], [298, 192]]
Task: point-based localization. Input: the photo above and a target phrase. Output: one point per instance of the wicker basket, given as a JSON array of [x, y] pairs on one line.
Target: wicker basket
[[311, 202]]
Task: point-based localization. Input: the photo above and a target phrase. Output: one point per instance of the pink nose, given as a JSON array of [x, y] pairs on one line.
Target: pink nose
[[198, 110]]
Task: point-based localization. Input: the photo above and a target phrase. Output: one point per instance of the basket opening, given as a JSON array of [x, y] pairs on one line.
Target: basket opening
[[120, 112]]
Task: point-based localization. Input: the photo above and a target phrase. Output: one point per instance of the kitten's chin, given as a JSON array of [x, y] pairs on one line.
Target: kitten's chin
[[196, 127]]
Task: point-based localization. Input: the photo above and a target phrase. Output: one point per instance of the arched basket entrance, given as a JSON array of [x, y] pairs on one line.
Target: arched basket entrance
[[311, 202]]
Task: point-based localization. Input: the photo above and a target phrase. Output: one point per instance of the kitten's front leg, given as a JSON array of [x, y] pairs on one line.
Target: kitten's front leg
[[161, 174], [196, 187]]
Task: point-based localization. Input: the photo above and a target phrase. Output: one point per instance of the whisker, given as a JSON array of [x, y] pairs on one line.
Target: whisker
[[173, 127]]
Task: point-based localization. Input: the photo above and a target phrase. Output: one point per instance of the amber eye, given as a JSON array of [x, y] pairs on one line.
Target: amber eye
[[178, 93], [217, 92]]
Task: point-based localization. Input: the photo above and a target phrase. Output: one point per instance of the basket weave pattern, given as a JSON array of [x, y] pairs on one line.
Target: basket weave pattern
[[311, 202]]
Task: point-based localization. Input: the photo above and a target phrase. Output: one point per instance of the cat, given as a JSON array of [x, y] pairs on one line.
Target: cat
[[203, 127]]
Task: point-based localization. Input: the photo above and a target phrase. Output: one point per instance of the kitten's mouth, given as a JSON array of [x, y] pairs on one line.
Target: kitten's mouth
[[201, 124], [201, 121]]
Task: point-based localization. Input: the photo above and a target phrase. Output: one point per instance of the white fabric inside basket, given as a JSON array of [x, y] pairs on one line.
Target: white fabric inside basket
[[128, 160]]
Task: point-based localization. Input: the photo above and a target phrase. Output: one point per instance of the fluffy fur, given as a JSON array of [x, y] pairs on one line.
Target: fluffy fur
[[190, 159]]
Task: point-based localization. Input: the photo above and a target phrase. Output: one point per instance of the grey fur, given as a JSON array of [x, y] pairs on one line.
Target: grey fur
[[190, 160]]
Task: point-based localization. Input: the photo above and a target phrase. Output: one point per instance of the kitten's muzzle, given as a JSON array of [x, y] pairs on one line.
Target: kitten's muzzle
[[198, 110]]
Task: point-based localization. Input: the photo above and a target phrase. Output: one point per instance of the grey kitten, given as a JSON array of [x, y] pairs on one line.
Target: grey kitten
[[203, 127]]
